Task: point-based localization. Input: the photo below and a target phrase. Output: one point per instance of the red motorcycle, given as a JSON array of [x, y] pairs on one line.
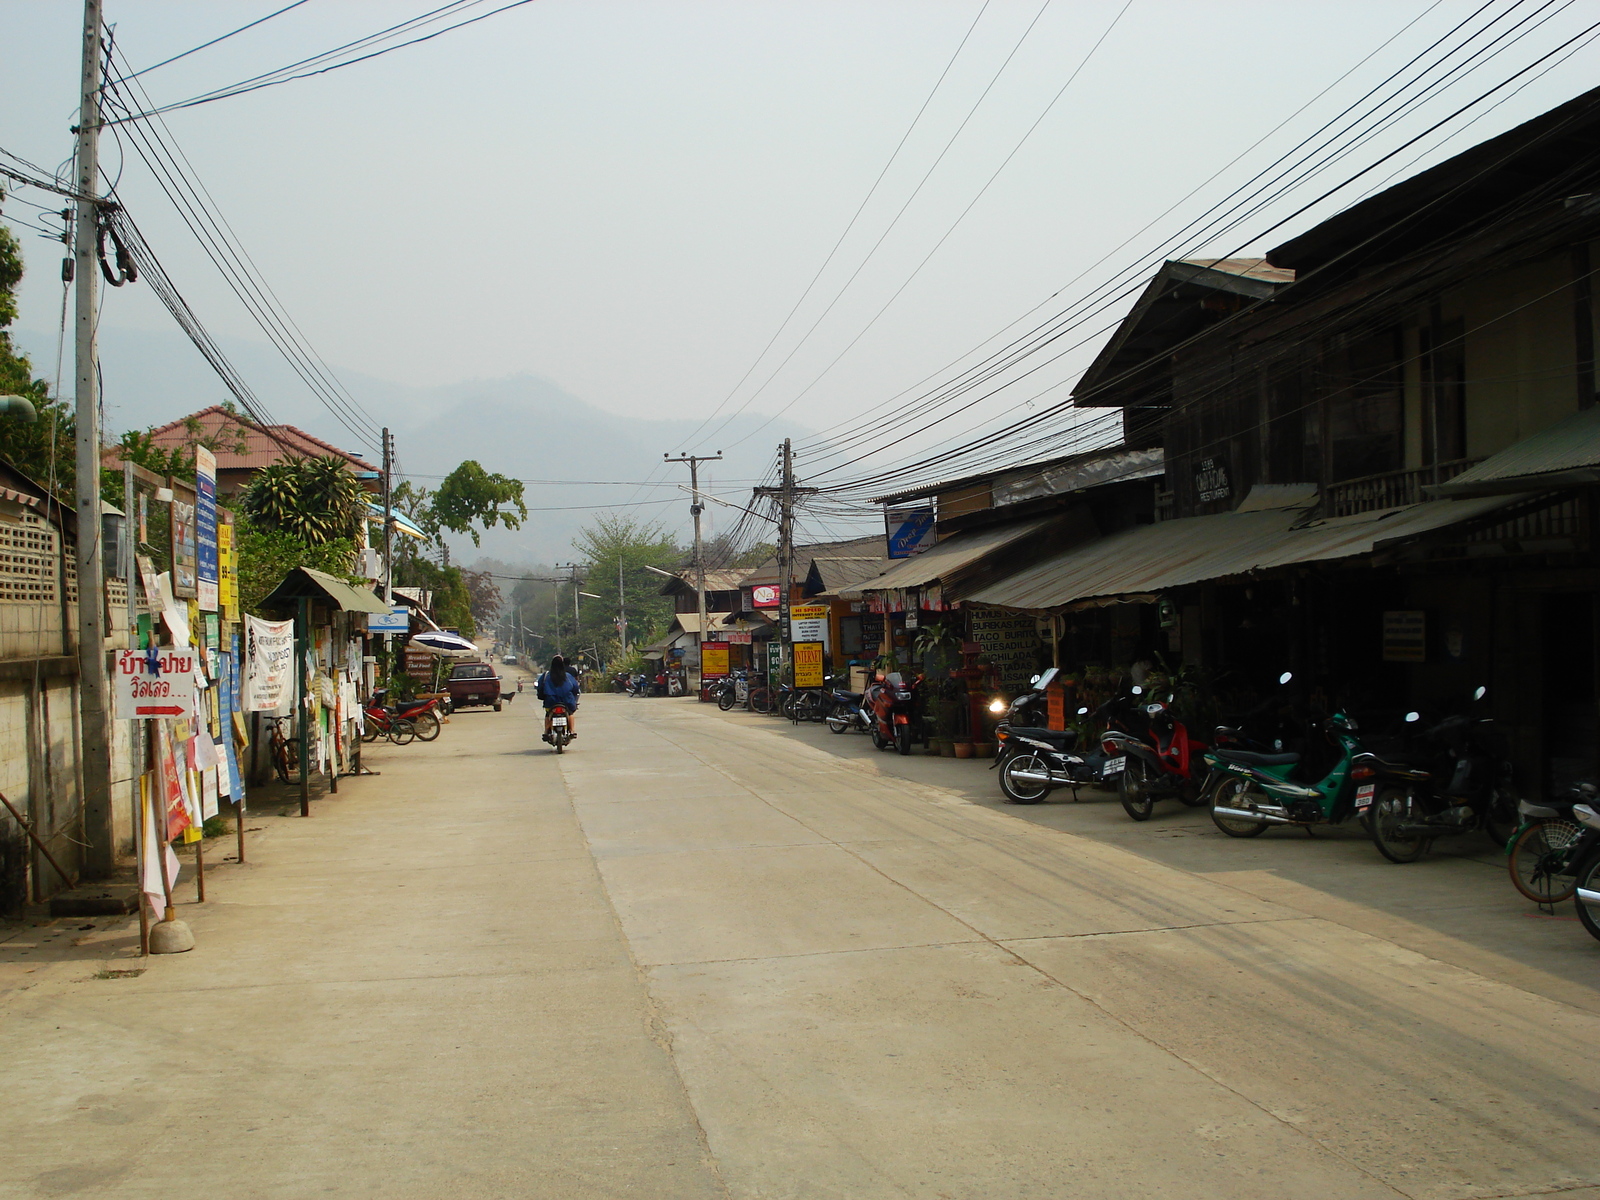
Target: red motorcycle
[[422, 714], [896, 711], [1151, 754]]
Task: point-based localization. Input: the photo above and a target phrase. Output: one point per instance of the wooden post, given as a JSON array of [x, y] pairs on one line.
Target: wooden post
[[200, 846], [141, 856], [302, 633]]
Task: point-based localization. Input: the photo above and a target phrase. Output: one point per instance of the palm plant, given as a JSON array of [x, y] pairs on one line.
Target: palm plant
[[314, 499]]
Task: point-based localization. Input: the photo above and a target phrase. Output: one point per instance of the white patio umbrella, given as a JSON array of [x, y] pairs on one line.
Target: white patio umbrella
[[445, 645]]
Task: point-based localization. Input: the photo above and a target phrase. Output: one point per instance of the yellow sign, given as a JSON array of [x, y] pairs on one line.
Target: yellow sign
[[808, 667], [227, 574], [714, 658]]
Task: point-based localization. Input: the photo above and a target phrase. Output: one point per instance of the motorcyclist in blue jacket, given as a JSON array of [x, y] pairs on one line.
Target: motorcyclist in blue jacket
[[558, 686]]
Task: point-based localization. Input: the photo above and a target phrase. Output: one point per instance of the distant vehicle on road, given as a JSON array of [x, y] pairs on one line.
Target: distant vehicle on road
[[473, 683], [510, 660]]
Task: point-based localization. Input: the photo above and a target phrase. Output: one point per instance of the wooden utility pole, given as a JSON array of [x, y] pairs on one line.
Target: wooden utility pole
[[99, 855], [786, 494], [695, 509]]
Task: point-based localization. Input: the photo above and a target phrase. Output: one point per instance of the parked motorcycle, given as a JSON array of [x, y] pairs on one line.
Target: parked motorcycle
[[1472, 789], [1150, 754], [896, 709], [1587, 873], [1549, 844], [1034, 760], [844, 712]]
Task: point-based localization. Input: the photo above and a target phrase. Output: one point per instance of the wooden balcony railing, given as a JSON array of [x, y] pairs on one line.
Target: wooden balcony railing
[[1392, 489]]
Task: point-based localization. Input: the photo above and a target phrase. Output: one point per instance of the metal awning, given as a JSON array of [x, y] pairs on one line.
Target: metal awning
[[689, 622], [402, 523], [1564, 455], [1149, 559], [303, 583], [946, 558]]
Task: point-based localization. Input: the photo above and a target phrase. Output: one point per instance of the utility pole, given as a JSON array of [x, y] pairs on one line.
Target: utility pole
[[695, 509], [388, 520], [99, 856], [622, 610], [785, 494]]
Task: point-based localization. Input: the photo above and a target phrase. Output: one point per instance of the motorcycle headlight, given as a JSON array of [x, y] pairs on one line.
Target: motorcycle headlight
[[997, 706]]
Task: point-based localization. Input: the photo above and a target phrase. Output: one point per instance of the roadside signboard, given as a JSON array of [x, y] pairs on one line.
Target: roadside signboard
[[764, 595], [1405, 636], [808, 623], [154, 683], [269, 664], [205, 528], [910, 531], [808, 664], [714, 658], [227, 574]]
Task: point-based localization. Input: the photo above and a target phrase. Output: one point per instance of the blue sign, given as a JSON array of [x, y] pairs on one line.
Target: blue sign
[[205, 527], [910, 531], [396, 620]]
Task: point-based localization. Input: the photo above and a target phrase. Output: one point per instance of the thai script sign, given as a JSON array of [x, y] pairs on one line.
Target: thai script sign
[[154, 683], [269, 664]]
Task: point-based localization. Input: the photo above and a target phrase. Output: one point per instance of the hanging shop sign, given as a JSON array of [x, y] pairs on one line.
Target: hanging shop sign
[[909, 530], [808, 664], [714, 659], [774, 659], [269, 664], [205, 528], [396, 620], [735, 637], [764, 595], [1405, 636], [808, 623], [154, 683], [1211, 480], [227, 574]]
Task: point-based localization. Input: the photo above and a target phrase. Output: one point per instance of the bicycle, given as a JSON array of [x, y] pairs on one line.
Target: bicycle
[[379, 721], [284, 751]]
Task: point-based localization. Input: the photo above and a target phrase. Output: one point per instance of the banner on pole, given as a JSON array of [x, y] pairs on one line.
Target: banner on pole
[[269, 664], [205, 528]]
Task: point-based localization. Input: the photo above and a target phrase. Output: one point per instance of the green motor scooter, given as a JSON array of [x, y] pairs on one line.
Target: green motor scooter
[[1250, 792]]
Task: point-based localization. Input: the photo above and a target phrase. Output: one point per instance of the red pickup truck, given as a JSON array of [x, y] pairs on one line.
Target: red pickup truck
[[473, 683]]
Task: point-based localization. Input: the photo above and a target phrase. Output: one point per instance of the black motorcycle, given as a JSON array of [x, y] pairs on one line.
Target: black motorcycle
[[1033, 760]]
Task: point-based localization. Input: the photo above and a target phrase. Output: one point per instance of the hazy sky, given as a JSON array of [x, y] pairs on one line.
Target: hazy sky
[[628, 198]]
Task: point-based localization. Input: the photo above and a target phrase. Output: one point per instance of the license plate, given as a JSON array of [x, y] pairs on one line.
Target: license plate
[[1364, 795], [1114, 766], [558, 722]]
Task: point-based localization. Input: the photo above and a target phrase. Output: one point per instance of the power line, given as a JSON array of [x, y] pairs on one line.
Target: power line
[[215, 40]]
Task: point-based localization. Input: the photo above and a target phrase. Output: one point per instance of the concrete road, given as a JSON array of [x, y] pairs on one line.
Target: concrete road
[[708, 955]]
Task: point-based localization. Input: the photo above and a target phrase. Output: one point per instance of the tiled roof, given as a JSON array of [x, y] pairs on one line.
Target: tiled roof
[[264, 444]]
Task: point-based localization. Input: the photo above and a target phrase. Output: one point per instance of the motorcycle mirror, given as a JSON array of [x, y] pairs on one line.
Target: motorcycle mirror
[[1286, 677], [1412, 717], [1137, 690], [1480, 693], [1034, 682], [1083, 710]]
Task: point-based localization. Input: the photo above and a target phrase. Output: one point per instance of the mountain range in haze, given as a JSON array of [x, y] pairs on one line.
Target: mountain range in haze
[[524, 426]]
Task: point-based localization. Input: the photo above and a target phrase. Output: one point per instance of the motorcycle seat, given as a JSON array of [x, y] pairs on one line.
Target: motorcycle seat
[[1252, 758], [1062, 739]]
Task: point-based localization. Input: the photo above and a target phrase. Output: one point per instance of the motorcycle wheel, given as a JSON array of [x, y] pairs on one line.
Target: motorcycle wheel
[[402, 731], [725, 700], [1588, 878], [1393, 807], [1020, 792], [878, 742], [1540, 861], [560, 740], [902, 739], [427, 726], [837, 723], [1133, 789], [1195, 795], [1501, 818], [1235, 795]]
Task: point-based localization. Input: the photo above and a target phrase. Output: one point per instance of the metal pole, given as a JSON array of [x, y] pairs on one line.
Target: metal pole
[[785, 555], [695, 509], [302, 634], [99, 856], [622, 608]]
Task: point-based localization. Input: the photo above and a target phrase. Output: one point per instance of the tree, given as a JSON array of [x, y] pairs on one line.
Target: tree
[[483, 596], [44, 450], [611, 541], [469, 495], [267, 555], [314, 499]]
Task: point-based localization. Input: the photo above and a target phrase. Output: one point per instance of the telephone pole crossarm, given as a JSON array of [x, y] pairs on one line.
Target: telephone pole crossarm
[[695, 509]]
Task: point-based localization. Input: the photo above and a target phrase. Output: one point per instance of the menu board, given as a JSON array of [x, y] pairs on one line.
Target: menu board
[[1010, 642]]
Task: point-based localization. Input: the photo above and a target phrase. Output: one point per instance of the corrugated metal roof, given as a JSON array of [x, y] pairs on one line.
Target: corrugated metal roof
[[956, 552], [846, 570], [689, 622], [1153, 558], [1566, 453]]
